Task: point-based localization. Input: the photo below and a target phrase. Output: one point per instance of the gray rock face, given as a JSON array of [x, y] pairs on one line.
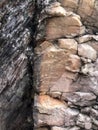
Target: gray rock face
[[86, 51], [80, 98], [70, 117], [84, 122], [14, 73]]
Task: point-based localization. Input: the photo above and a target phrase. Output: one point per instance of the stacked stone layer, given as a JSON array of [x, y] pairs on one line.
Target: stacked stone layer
[[66, 67]]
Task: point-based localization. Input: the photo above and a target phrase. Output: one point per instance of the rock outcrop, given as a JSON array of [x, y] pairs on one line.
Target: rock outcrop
[[66, 67], [56, 87], [15, 70]]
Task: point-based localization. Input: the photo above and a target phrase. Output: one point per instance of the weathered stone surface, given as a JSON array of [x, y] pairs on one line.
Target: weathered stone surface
[[15, 81], [84, 12], [70, 45], [88, 69], [85, 61], [72, 4], [51, 72], [64, 27], [43, 128], [47, 102], [67, 128], [70, 116], [65, 70], [80, 98], [87, 51], [55, 94], [95, 123], [56, 11], [93, 44], [73, 63], [62, 85], [87, 84], [86, 110], [94, 114], [51, 111], [87, 38], [44, 46], [84, 38], [58, 128], [84, 121], [74, 128]]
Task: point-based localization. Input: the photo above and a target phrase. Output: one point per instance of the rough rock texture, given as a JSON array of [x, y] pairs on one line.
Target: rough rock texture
[[66, 66], [15, 81]]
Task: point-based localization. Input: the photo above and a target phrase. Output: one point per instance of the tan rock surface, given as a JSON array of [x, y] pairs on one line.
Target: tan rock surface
[[56, 11], [51, 73], [43, 128], [48, 102], [65, 72], [69, 3], [73, 63], [50, 68], [64, 27], [86, 7], [62, 84], [51, 111], [70, 45]]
